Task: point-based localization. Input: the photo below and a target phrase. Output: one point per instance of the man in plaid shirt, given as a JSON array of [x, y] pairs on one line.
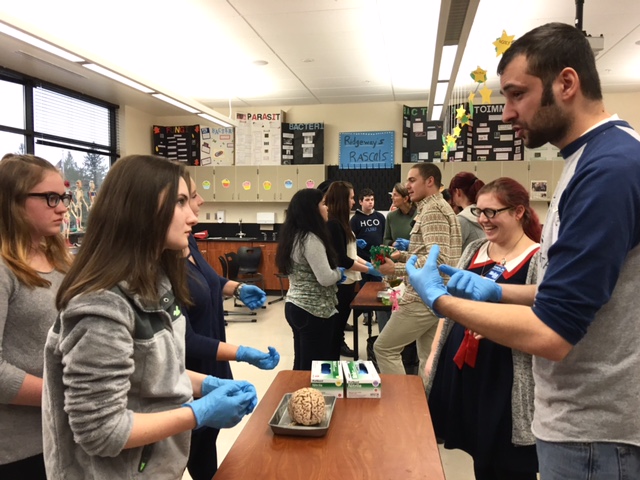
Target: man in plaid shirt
[[435, 224]]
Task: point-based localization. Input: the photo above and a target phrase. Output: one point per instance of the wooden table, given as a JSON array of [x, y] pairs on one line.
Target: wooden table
[[368, 439], [367, 301]]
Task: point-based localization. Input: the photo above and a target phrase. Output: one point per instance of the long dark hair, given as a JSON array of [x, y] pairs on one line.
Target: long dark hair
[[18, 175], [512, 194], [337, 199], [126, 233], [303, 218]]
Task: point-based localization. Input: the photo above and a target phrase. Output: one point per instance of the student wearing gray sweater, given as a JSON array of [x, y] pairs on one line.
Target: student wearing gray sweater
[[33, 260], [305, 254], [117, 399]]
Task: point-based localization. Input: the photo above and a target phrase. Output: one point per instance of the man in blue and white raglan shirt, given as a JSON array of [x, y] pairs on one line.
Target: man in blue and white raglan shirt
[[582, 324]]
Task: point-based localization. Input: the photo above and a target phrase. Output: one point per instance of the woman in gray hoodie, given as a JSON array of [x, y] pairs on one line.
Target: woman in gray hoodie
[[464, 188], [117, 398]]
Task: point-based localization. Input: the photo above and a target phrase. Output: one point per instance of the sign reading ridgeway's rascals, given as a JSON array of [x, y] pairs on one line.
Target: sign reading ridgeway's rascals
[[360, 150]]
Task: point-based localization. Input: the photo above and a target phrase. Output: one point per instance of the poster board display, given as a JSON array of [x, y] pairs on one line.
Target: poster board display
[[217, 146], [360, 150], [491, 138], [258, 138], [303, 143], [178, 143], [423, 138]]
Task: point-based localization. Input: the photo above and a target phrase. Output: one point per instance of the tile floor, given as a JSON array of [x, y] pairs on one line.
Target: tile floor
[[272, 329]]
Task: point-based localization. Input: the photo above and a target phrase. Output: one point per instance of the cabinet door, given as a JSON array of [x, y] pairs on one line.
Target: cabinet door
[[488, 171], [269, 268], [540, 171], [287, 183], [268, 179], [247, 184], [225, 183], [204, 183], [519, 171], [310, 176]]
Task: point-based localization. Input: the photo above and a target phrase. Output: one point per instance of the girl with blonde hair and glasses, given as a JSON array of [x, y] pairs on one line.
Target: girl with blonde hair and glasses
[[33, 261]]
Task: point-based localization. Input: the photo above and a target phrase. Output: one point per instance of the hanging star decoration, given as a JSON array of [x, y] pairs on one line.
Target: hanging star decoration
[[503, 43], [486, 94], [479, 75]]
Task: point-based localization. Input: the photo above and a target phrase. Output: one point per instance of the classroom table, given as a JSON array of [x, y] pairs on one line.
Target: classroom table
[[368, 439]]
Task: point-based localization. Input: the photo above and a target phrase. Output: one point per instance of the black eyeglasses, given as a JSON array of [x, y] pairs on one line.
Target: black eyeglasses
[[488, 212], [53, 198]]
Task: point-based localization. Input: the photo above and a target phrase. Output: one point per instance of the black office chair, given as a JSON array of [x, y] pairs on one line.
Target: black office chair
[[249, 259], [231, 273]]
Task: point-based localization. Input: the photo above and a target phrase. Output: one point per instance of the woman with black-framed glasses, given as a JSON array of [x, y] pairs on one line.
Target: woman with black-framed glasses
[[33, 261], [480, 392]]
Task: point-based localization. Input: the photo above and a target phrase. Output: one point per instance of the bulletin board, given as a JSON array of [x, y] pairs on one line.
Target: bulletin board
[[364, 150], [493, 139], [178, 143], [380, 180]]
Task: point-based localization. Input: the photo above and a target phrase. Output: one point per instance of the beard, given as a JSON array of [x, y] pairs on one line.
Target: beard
[[548, 125]]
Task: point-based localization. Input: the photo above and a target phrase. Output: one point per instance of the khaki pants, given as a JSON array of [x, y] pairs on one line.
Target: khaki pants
[[414, 321]]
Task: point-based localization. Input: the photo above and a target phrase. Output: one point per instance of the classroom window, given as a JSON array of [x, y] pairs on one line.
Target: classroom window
[[76, 133]]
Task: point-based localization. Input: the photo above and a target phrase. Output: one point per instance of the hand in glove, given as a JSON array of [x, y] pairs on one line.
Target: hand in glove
[[211, 383], [361, 243], [252, 296], [401, 244], [372, 270], [264, 361], [427, 281], [471, 286], [224, 407], [343, 277]]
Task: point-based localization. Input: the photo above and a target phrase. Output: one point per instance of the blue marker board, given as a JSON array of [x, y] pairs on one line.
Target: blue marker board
[[360, 150]]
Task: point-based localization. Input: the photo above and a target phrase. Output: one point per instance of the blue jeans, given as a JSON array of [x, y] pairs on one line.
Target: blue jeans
[[588, 461]]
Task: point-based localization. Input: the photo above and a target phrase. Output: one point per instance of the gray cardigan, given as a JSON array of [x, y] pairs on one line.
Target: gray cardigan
[[107, 357], [522, 392]]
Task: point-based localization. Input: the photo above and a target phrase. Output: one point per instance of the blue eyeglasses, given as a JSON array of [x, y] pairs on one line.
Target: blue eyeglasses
[[488, 212], [53, 198]]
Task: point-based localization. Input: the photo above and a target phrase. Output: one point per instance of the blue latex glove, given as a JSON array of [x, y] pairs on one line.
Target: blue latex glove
[[372, 270], [343, 278], [264, 361], [427, 281], [252, 296], [361, 243], [401, 244], [224, 407], [471, 286], [211, 383]]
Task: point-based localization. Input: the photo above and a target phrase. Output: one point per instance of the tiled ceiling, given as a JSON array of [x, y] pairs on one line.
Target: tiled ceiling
[[318, 51]]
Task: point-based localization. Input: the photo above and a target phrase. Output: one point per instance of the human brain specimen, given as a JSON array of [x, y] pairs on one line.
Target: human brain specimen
[[306, 406]]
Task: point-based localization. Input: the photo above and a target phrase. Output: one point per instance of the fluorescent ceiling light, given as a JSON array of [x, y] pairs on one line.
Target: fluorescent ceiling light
[[170, 100], [117, 77], [446, 61], [214, 119], [441, 93], [436, 112], [23, 37]]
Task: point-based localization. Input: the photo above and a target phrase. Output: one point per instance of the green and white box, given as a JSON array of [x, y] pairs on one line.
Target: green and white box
[[362, 379], [327, 377]]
